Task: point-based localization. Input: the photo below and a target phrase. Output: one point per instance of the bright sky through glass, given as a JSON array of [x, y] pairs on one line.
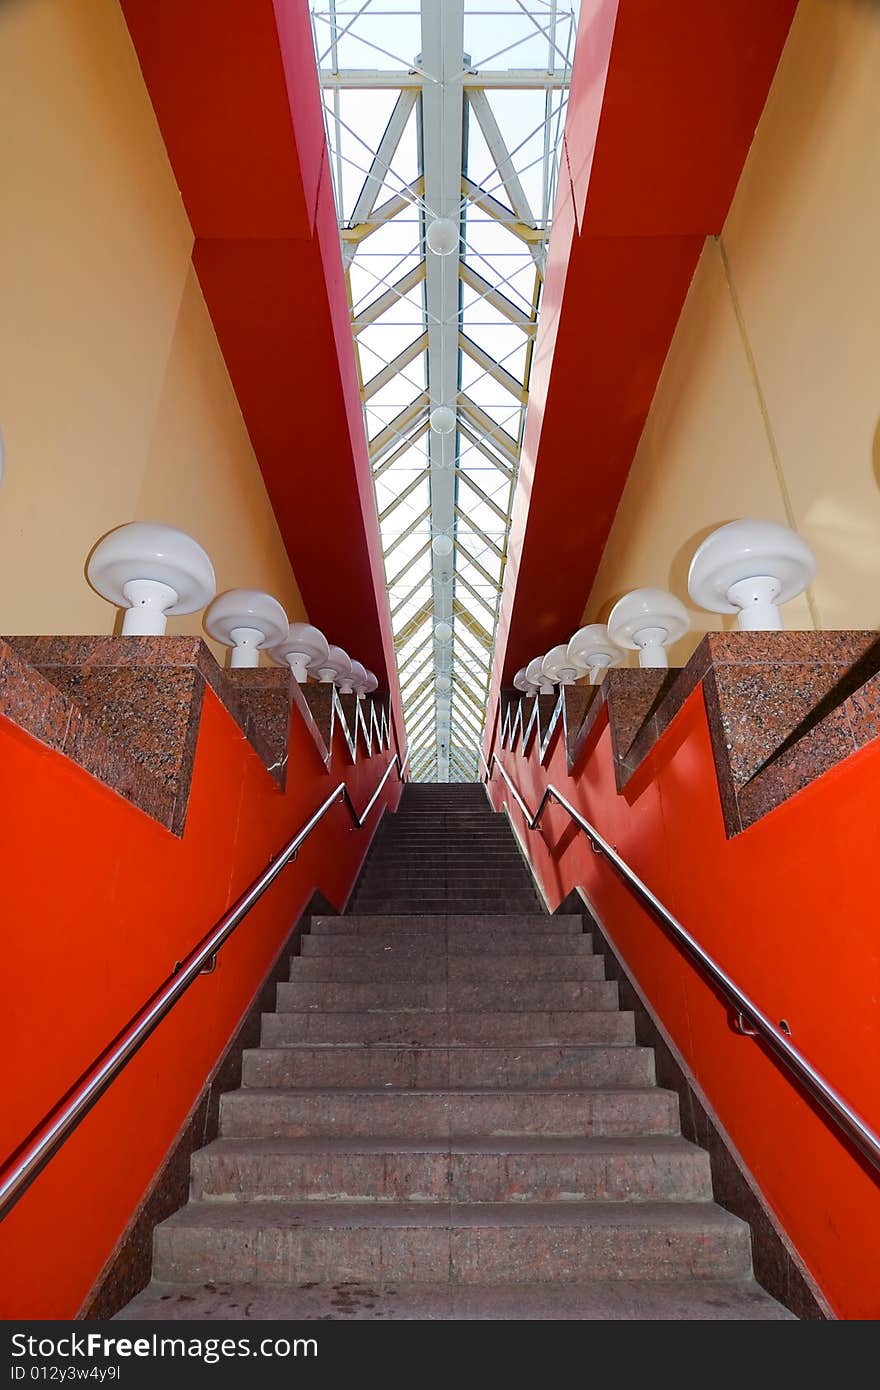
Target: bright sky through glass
[[450, 109]]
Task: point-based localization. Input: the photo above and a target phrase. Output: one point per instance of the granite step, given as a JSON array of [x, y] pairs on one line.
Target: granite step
[[614, 1300], [498, 943], [428, 1067], [351, 926], [348, 996], [461, 1170], [299, 1112], [482, 875], [433, 906], [451, 904], [423, 969], [484, 1243], [447, 1026]]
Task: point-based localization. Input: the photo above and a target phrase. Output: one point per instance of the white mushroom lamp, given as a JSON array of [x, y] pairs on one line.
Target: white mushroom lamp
[[358, 679], [590, 650], [535, 675], [153, 572], [750, 568], [521, 682], [247, 621], [371, 683], [558, 668], [302, 648], [335, 669], [647, 621]]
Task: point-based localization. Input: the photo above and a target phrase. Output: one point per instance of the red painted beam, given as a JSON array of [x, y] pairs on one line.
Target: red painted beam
[[235, 90], [665, 98]]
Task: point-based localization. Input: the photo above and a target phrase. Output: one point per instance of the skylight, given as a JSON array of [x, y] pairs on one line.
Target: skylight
[[450, 112]]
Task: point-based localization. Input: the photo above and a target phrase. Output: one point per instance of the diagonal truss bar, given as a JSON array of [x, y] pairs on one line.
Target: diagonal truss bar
[[394, 368], [381, 165], [392, 296]]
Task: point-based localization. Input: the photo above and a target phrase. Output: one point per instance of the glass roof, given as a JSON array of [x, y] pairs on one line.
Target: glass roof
[[444, 125]]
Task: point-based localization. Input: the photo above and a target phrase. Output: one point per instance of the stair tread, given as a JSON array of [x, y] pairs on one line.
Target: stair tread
[[271, 1093], [248, 1214], [597, 1301], [524, 1046], [478, 1144]]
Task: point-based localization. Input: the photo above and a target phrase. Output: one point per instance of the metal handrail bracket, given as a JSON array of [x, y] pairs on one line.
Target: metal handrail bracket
[[28, 1161], [751, 1020]]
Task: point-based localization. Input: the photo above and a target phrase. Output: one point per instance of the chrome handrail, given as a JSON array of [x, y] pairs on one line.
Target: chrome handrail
[[857, 1130], [29, 1159]]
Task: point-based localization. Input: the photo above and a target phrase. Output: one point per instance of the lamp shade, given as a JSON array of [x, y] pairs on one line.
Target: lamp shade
[[153, 571], [441, 236], [442, 419], [750, 568], [246, 620]]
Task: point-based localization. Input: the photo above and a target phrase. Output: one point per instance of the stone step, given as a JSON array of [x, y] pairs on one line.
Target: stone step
[[490, 1243], [436, 879], [471, 848], [431, 905], [469, 839], [455, 884], [463, 900], [614, 1300], [411, 867], [447, 1026], [462, 1170], [351, 926], [345, 996], [425, 969], [299, 1112], [391, 944], [431, 1067]]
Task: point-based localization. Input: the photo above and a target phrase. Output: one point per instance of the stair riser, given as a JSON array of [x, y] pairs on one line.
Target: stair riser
[[434, 1177], [441, 930], [280, 1029], [418, 1254], [471, 846], [440, 883], [439, 1067], [390, 944], [341, 997], [602, 1114], [432, 906], [458, 969], [351, 926]]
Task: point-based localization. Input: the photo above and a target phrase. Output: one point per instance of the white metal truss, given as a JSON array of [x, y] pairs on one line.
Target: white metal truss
[[461, 122]]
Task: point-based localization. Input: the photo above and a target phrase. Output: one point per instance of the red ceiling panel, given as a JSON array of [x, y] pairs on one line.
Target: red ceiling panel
[[665, 98], [235, 90]]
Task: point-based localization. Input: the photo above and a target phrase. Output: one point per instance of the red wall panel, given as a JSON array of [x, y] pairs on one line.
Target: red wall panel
[[788, 908], [99, 903]]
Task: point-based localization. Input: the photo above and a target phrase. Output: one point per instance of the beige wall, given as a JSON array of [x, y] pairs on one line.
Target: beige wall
[[769, 401], [115, 403]]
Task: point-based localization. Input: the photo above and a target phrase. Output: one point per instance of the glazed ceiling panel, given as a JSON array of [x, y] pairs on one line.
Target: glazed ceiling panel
[[449, 115]]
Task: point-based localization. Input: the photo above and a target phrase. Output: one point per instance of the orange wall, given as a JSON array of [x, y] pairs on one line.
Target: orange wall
[[99, 902], [768, 405], [789, 909], [115, 401]]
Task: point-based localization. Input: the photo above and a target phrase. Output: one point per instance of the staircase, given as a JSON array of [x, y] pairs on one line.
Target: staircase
[[449, 1117]]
